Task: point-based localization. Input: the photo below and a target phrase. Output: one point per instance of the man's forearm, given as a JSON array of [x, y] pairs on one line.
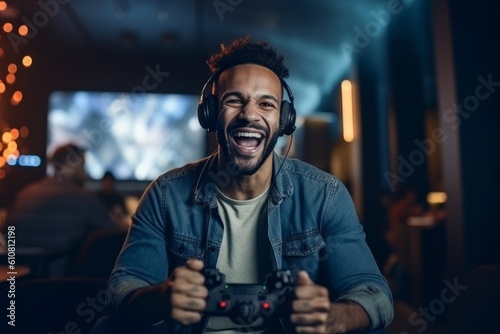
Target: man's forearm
[[373, 301], [347, 316], [146, 305]]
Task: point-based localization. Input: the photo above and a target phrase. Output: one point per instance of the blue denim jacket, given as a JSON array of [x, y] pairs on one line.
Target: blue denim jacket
[[313, 226]]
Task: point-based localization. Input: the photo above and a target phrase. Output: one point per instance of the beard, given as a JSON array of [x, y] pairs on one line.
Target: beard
[[244, 164]]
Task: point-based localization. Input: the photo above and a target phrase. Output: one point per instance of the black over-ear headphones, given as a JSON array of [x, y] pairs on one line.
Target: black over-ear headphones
[[208, 108]]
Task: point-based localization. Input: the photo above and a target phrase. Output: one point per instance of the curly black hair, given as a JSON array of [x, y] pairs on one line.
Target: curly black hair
[[246, 51]]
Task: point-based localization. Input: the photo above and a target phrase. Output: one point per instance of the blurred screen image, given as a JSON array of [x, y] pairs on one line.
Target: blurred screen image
[[135, 136]]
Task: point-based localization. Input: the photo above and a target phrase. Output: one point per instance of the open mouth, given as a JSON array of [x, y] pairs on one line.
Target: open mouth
[[247, 141]]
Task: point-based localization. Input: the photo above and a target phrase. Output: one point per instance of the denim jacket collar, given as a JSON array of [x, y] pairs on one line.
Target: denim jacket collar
[[282, 184], [206, 186]]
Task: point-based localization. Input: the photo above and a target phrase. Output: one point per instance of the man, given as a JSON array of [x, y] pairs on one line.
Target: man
[[247, 212], [56, 213]]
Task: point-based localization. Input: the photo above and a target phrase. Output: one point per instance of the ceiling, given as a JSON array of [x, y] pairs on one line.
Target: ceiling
[[308, 33]]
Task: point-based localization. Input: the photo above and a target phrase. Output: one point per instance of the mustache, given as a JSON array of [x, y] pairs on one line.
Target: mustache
[[243, 124]]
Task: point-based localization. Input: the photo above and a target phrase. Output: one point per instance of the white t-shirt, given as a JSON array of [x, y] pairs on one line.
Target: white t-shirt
[[245, 253]]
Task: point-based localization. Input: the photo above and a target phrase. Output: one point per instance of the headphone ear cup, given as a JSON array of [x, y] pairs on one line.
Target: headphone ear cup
[[212, 112], [290, 125], [202, 119], [287, 119], [285, 110], [207, 112]]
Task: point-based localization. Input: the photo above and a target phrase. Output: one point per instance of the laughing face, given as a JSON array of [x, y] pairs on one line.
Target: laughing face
[[249, 98]]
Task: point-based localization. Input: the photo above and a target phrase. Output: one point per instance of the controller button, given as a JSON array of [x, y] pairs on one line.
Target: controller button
[[278, 285], [223, 304], [266, 306]]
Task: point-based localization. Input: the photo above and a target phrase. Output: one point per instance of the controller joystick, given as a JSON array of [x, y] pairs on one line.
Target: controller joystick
[[213, 278]]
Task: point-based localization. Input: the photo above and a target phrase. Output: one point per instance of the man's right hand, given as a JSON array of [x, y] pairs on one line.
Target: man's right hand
[[187, 292]]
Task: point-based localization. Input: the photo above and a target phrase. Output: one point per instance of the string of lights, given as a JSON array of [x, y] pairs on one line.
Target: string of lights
[[12, 64]]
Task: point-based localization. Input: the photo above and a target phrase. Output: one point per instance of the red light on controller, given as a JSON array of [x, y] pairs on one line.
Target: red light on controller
[[266, 306], [222, 304]]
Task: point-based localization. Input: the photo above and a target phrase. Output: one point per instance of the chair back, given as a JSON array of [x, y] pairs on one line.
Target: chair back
[[54, 305]]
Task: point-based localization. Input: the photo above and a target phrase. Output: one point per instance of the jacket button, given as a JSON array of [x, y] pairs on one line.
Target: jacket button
[[211, 249]]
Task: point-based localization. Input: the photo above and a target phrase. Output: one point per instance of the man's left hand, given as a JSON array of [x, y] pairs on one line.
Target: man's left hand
[[311, 307]]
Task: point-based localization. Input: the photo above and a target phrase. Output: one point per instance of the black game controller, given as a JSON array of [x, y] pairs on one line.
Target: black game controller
[[247, 303]]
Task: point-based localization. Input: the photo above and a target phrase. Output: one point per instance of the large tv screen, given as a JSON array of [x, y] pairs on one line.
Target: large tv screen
[[135, 136]]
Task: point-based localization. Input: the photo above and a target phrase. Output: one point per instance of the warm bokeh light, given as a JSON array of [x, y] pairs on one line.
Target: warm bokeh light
[[437, 197], [12, 68], [1, 52], [7, 137], [11, 157], [17, 96], [347, 111], [2, 162], [7, 27], [12, 146], [10, 78], [14, 133], [2, 87], [2, 174], [24, 131], [27, 61], [23, 30], [3, 5]]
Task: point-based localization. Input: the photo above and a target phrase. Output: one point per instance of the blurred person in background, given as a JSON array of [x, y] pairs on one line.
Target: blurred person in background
[[403, 206], [56, 213], [111, 199]]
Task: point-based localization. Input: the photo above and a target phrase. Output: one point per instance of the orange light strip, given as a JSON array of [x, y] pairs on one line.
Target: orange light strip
[[347, 111]]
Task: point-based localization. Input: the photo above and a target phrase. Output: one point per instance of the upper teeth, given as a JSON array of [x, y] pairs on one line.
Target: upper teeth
[[248, 134]]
